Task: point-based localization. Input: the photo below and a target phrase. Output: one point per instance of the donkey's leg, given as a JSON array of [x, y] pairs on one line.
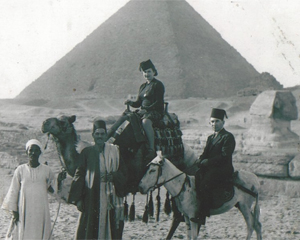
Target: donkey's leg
[[195, 228], [246, 211], [188, 227]]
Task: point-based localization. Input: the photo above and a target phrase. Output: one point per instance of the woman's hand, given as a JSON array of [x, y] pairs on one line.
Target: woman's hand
[[128, 102]]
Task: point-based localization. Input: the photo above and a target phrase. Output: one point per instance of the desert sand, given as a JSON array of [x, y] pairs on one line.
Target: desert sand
[[21, 121]]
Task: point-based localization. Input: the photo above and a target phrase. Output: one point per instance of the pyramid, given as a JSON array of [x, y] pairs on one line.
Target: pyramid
[[191, 57]]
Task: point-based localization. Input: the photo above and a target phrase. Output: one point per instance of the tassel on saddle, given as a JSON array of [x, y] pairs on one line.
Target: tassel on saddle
[[167, 206], [125, 209], [151, 208], [157, 205], [146, 212], [132, 210]]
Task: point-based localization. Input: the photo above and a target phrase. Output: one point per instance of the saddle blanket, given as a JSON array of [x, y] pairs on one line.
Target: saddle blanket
[[221, 195]]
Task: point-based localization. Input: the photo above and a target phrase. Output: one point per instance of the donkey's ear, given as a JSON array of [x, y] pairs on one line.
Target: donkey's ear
[[159, 153], [161, 158], [72, 119]]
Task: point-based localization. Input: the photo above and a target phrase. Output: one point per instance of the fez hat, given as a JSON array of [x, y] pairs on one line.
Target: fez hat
[[218, 113], [99, 124], [146, 65]]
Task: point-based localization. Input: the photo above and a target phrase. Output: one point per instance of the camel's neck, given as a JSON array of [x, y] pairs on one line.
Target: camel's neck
[[178, 179], [66, 147]]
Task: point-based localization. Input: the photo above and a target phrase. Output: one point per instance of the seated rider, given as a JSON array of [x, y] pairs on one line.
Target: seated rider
[[215, 163], [151, 102]]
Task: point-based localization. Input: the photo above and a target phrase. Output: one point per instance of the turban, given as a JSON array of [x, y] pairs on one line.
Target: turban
[[33, 142]]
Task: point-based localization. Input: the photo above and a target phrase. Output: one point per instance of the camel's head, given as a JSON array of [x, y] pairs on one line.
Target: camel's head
[[59, 126]]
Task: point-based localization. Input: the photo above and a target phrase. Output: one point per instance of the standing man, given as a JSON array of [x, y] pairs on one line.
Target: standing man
[[27, 197], [215, 163], [94, 189]]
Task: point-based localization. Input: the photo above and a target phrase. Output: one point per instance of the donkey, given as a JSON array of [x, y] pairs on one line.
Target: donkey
[[182, 188]]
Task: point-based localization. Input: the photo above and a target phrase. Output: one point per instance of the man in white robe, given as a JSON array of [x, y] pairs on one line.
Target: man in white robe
[[27, 197]]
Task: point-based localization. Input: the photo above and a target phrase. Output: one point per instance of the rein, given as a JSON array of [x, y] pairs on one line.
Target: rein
[[64, 167], [59, 203], [157, 185], [160, 184]]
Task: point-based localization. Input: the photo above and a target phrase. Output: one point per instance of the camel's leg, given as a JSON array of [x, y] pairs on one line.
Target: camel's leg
[[257, 224], [246, 211], [176, 220]]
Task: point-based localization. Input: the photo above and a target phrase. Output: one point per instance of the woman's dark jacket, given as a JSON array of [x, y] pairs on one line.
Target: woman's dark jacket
[[153, 98]]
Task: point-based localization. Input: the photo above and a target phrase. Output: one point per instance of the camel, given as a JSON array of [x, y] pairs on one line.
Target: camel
[[182, 187], [69, 146], [132, 149]]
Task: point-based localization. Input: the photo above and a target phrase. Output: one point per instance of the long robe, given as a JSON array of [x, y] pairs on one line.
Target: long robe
[[28, 195], [103, 209]]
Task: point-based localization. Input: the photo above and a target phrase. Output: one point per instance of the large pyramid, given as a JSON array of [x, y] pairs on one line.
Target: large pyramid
[[191, 57]]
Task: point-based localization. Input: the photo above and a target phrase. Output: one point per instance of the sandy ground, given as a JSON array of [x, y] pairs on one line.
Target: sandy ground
[[280, 218]]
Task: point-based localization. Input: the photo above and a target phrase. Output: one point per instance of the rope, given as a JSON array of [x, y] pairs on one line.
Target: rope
[[59, 203], [159, 185], [55, 220], [246, 190]]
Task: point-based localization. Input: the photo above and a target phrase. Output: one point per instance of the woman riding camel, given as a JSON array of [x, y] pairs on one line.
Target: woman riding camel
[[151, 102]]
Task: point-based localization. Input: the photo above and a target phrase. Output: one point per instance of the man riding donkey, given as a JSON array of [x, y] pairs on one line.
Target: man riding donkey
[[215, 163], [150, 99]]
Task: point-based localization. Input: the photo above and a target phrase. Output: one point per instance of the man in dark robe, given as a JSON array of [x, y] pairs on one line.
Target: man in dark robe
[[93, 189]]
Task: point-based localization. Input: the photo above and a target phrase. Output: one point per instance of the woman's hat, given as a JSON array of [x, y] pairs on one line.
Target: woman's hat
[[218, 113], [146, 65], [99, 124]]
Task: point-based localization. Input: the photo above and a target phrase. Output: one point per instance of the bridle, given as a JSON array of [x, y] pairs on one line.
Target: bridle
[[157, 185]]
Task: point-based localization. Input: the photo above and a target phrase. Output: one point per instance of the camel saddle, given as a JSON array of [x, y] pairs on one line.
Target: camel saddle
[[167, 131], [168, 138], [168, 135]]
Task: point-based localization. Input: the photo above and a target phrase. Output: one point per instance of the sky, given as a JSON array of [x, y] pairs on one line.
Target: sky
[[34, 36]]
